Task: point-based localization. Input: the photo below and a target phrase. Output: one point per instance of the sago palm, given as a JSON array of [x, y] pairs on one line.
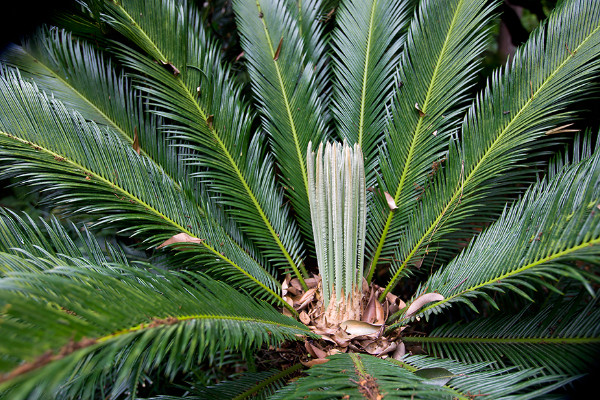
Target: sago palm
[[333, 212]]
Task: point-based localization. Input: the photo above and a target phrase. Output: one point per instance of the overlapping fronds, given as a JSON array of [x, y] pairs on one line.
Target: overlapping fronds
[[71, 327], [91, 170], [183, 77], [365, 376], [366, 47], [505, 122], [139, 126], [286, 89], [312, 16], [20, 234], [534, 242], [254, 385], [83, 79], [80, 76], [437, 69], [479, 380], [563, 338]]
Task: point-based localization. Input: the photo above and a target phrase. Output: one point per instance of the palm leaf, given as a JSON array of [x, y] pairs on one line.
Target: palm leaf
[[255, 385], [438, 67], [81, 77], [366, 46], [61, 327], [312, 16], [519, 105], [533, 242], [561, 337], [185, 80], [92, 170], [360, 376], [22, 235], [286, 88]]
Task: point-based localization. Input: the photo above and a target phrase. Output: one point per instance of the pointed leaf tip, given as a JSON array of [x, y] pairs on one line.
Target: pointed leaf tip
[[181, 238]]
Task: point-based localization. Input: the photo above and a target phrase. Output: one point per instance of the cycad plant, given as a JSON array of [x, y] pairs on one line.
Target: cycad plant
[[210, 250]]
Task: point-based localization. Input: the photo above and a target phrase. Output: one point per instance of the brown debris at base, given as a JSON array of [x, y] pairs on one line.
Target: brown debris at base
[[360, 329], [47, 358]]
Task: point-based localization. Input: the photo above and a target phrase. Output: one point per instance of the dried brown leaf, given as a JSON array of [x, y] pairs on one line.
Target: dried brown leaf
[[369, 313], [421, 301], [316, 361], [311, 282], [278, 51], [315, 350], [136, 141], [353, 327], [399, 352], [180, 238], [561, 129], [296, 283], [307, 298], [304, 318], [390, 200]]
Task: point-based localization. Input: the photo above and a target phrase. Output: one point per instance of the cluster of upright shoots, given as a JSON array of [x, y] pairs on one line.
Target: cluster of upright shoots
[[336, 191]]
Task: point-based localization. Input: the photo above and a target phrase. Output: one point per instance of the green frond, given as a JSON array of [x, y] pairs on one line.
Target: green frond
[[254, 385], [91, 170], [505, 122], [438, 68], [312, 16], [563, 338], [79, 76], [83, 79], [286, 90], [535, 241], [481, 380], [360, 376], [366, 44], [185, 81], [20, 234], [72, 327]]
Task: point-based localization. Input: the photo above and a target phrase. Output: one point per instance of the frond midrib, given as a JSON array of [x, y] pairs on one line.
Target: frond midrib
[[459, 190], [105, 116], [149, 207], [192, 97], [207, 316], [363, 94], [413, 144], [517, 271], [286, 101]]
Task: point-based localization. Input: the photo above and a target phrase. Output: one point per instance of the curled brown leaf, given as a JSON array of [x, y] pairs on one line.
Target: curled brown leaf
[[421, 301], [180, 238]]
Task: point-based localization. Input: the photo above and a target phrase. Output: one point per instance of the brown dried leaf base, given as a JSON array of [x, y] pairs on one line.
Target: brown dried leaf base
[[356, 327]]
